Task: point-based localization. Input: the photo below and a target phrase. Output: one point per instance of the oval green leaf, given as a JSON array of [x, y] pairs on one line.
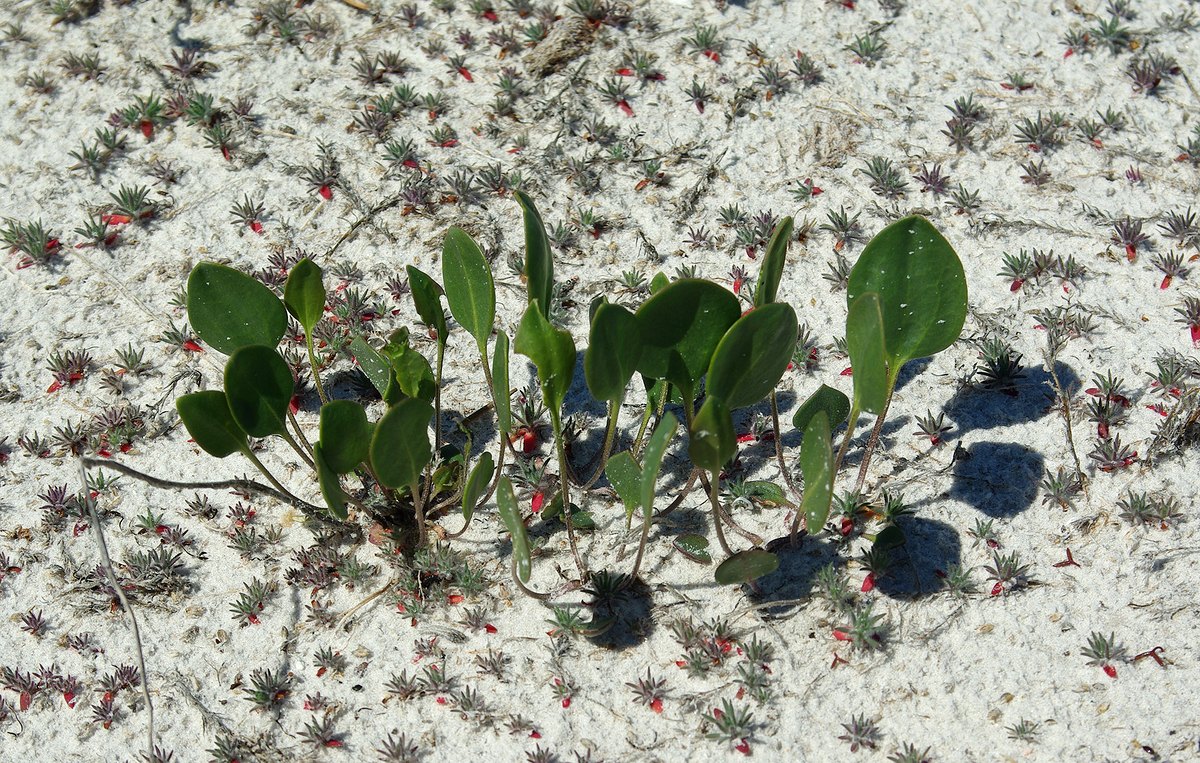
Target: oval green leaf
[[833, 402], [345, 435], [552, 352], [412, 372], [539, 266], [500, 392], [656, 448], [228, 309], [745, 566], [752, 356], [659, 282], [816, 464], [304, 294], [712, 441], [681, 326], [400, 447], [626, 478], [614, 348], [921, 286], [259, 386], [374, 365], [772, 267], [477, 485], [765, 492], [426, 295], [470, 291], [331, 486], [868, 355], [506, 502], [694, 547], [208, 420]]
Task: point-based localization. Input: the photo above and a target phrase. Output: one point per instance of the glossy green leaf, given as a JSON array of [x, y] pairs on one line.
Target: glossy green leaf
[[400, 447], [412, 372], [745, 566], [816, 465], [581, 520], [712, 441], [539, 265], [345, 435], [374, 365], [681, 326], [888, 538], [331, 486], [552, 352], [614, 348], [833, 402], [470, 291], [921, 286], [259, 386], [427, 298], [506, 502], [694, 547], [868, 356], [477, 485], [752, 356], [500, 397], [450, 464], [208, 420], [659, 282], [656, 449], [771, 273], [765, 492], [626, 478], [304, 294], [228, 309]]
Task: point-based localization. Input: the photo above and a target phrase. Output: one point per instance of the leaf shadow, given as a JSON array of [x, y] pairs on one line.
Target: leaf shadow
[[778, 593], [999, 479], [930, 546], [973, 408]]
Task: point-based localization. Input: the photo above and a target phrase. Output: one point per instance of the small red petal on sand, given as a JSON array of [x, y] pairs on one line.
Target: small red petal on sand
[[448, 143], [848, 371], [489, 628], [465, 74], [225, 152], [625, 108], [566, 702], [125, 447], [713, 56], [656, 705], [841, 635], [868, 583], [846, 527], [147, 129], [1102, 430], [294, 405], [104, 453], [1131, 252], [115, 219], [1195, 334], [256, 226], [998, 588], [1070, 52], [744, 747], [536, 504], [455, 598], [192, 346], [326, 192], [624, 71], [334, 743], [534, 735], [55, 387], [441, 700], [26, 701], [717, 713], [1110, 671], [1166, 282], [1016, 284], [320, 672], [490, 15], [743, 438], [69, 698]]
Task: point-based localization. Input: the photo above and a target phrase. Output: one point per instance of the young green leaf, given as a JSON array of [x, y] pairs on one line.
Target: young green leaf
[[680, 327], [765, 492], [659, 282], [345, 435], [551, 350], [331, 486], [228, 309], [500, 398], [477, 485], [400, 447], [752, 356], [745, 566], [614, 348], [868, 356], [694, 547], [921, 286], [506, 502], [539, 266], [656, 448], [772, 267], [304, 294], [712, 440], [426, 295], [816, 464], [259, 386], [413, 374], [208, 420], [374, 365], [626, 478], [833, 402], [470, 291]]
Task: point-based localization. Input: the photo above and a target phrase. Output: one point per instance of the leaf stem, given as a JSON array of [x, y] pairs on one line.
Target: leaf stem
[[418, 511], [316, 369], [850, 424], [610, 432], [556, 421], [304, 440], [715, 498], [787, 475], [270, 477], [437, 395], [875, 431]]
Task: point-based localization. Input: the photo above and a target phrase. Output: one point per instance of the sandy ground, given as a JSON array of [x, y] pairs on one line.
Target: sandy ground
[[957, 674]]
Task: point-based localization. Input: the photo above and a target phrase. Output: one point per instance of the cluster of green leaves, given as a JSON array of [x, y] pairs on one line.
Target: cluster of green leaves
[[906, 299]]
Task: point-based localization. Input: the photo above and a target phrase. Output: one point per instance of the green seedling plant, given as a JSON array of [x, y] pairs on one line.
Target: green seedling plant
[[690, 343]]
